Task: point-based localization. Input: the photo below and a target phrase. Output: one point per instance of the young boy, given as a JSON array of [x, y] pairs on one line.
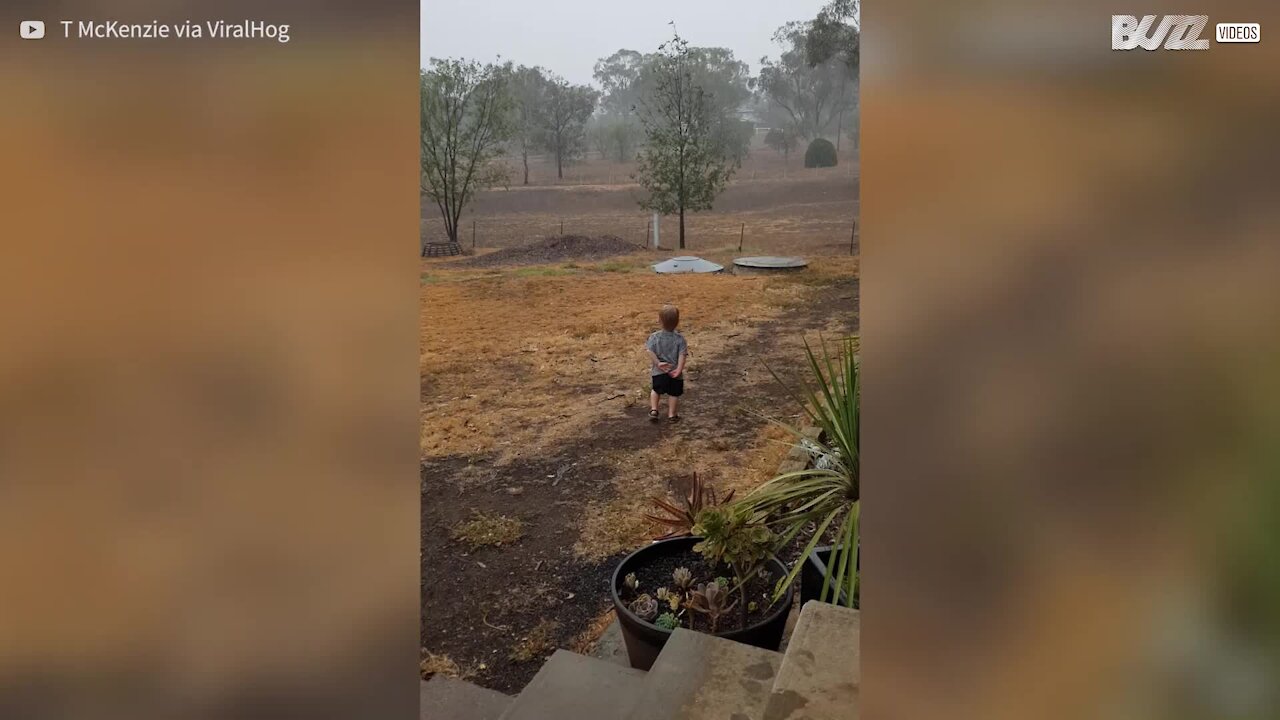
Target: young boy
[[667, 355]]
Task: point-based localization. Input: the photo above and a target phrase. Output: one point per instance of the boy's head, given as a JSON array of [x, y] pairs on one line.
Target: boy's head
[[669, 317]]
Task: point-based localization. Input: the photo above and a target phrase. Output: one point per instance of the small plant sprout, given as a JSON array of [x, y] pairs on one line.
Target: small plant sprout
[[751, 606], [723, 582], [713, 601], [631, 582], [667, 621], [645, 607], [682, 578], [662, 594]]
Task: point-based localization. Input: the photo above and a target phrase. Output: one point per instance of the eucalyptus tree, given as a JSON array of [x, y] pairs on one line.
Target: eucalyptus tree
[[465, 123]]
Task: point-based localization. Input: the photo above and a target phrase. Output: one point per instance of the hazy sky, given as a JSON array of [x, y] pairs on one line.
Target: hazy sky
[[568, 36]]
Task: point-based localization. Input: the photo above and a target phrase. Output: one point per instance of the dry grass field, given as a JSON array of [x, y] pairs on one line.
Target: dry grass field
[[772, 208], [538, 457]]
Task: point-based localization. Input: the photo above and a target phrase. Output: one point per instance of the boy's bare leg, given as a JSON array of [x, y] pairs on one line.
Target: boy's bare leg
[[672, 401], [653, 400]]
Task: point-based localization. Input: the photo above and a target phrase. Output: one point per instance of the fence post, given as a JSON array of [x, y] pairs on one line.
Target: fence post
[[562, 226], [473, 235], [852, 234], [742, 233]]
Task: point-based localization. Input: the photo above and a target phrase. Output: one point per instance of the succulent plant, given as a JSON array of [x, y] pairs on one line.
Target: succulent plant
[[662, 594], [631, 582], [751, 606], [645, 607], [681, 518], [711, 600], [733, 536], [673, 601], [682, 578], [667, 621], [723, 582]]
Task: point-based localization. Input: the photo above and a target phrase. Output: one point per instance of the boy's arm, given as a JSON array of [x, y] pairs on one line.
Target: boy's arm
[[656, 362], [680, 365]]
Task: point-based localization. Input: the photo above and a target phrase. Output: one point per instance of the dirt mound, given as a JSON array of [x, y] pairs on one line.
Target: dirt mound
[[553, 250]]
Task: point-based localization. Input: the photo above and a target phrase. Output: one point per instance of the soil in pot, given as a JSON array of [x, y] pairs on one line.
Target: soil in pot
[[653, 566], [658, 573]]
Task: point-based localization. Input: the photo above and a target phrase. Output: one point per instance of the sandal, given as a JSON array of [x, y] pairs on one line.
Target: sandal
[[673, 418], [653, 416]]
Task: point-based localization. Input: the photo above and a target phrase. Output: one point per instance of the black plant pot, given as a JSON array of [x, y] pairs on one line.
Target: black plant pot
[[644, 640], [813, 572]]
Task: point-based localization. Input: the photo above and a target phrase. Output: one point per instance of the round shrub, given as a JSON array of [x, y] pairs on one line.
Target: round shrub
[[821, 153]]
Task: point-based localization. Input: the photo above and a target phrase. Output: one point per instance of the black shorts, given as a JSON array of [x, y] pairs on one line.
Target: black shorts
[[664, 384]]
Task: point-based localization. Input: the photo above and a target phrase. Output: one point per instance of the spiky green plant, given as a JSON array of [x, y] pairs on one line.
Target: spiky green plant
[[821, 496], [680, 518], [667, 621]]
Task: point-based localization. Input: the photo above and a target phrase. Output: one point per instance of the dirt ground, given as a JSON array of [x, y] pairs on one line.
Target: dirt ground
[[534, 399], [534, 408]]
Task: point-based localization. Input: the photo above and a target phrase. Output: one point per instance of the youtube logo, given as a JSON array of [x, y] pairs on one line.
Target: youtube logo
[[31, 29]]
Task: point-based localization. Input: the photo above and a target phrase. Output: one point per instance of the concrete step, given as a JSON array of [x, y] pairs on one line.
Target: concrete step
[[576, 687], [444, 698], [703, 677], [611, 647], [822, 669]]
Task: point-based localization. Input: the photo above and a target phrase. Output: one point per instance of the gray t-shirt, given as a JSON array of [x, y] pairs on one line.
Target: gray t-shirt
[[667, 345]]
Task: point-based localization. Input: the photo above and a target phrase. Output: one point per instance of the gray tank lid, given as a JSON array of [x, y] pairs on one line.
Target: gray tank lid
[[769, 261], [686, 264]]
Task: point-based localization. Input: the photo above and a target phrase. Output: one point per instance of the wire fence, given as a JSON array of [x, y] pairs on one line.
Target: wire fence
[[829, 234]]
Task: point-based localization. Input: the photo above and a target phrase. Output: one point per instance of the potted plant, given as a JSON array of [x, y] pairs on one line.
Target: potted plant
[[825, 495], [720, 580]]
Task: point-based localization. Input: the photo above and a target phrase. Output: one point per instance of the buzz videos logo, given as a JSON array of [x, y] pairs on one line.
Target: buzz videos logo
[[1175, 32]]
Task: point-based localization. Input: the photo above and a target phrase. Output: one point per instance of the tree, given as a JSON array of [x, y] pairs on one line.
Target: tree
[[628, 77], [465, 120], [812, 96], [624, 134], [783, 140], [615, 136], [598, 134], [682, 166], [820, 153], [835, 33], [618, 76], [733, 135], [528, 88], [563, 118]]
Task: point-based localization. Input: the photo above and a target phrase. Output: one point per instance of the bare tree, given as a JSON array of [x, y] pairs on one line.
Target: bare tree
[[464, 124]]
